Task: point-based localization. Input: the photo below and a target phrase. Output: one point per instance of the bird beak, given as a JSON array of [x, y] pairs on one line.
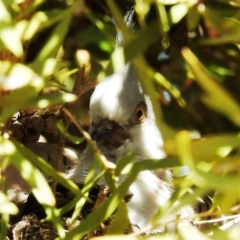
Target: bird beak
[[109, 134]]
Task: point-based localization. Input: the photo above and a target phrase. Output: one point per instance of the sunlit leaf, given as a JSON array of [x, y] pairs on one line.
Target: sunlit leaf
[[52, 46], [187, 232], [4, 14], [209, 148], [47, 100], [7, 31], [46, 168], [6, 206], [178, 11], [142, 7], [106, 209], [18, 84], [29, 172], [70, 137]]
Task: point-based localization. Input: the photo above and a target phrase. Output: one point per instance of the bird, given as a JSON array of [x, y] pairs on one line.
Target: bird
[[122, 121]]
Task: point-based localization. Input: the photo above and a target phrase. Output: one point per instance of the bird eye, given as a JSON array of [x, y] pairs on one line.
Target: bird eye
[[139, 113]]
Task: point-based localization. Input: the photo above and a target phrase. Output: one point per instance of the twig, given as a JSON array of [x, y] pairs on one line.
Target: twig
[[218, 220], [78, 89], [91, 143]]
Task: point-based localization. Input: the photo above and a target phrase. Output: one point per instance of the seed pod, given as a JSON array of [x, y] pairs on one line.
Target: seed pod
[[16, 130], [35, 123], [50, 123], [31, 136]]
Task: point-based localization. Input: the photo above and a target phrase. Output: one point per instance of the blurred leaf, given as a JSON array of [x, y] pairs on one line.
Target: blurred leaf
[[18, 84], [193, 18], [209, 148], [187, 233], [222, 21], [5, 16], [46, 168], [31, 174], [104, 211], [178, 11], [215, 96], [143, 40], [6, 206], [48, 100], [52, 46], [131, 237], [31, 27], [7, 31], [120, 221], [228, 182], [142, 8]]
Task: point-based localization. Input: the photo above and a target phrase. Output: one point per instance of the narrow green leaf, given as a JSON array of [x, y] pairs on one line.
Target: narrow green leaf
[[228, 182], [46, 168], [29, 172], [215, 96], [187, 233], [70, 137], [105, 210], [193, 17], [18, 84], [120, 221], [210, 148], [47, 100], [4, 13], [7, 207], [52, 46], [123, 162], [7, 31], [178, 11]]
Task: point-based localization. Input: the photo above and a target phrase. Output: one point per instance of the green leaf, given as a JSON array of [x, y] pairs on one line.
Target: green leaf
[[120, 221], [52, 46], [193, 18], [29, 172], [215, 96], [7, 207], [228, 182], [18, 84], [123, 162], [211, 147], [178, 11], [47, 100], [5, 16], [70, 137], [187, 233], [46, 168], [7, 31], [105, 210]]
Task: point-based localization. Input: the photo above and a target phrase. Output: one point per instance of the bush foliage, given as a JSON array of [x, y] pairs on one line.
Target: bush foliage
[[187, 54]]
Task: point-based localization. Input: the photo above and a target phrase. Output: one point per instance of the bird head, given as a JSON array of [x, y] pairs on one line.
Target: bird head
[[123, 119]]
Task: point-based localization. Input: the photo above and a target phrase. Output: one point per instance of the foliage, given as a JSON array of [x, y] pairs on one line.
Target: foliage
[[187, 54]]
